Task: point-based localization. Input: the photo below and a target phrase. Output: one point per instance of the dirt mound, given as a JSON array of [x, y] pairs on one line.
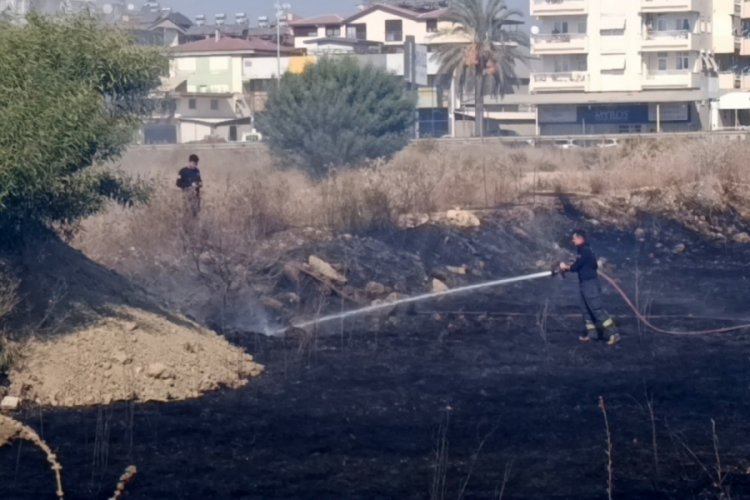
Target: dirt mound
[[91, 337], [142, 357]]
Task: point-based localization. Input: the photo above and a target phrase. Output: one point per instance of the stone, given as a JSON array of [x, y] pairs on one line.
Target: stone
[[271, 303], [375, 289], [741, 238], [122, 358], [291, 271], [460, 270], [290, 298], [131, 326], [438, 286], [640, 234], [326, 270], [679, 248], [158, 371], [462, 218], [10, 403]]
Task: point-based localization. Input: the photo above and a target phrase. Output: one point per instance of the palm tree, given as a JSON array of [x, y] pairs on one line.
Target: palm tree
[[480, 48]]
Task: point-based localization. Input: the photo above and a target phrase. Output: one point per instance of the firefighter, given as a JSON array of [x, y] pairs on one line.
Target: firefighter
[[596, 319], [190, 182]]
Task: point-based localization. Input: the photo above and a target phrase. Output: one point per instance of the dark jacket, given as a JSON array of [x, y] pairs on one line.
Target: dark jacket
[[585, 265], [189, 178]]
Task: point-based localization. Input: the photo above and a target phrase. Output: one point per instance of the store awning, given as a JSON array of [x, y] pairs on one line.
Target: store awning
[[735, 100]]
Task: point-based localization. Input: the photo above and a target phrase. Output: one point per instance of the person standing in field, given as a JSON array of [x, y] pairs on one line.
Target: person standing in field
[[596, 320], [190, 182]]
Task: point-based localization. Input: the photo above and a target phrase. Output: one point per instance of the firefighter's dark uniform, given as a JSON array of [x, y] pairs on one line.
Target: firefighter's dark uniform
[[595, 317]]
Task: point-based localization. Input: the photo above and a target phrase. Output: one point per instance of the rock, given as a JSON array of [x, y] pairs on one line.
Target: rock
[[131, 326], [460, 270], [122, 358], [271, 303], [640, 234], [290, 298], [395, 297], [159, 371], [325, 269], [10, 403], [291, 271], [375, 289], [679, 248], [741, 238], [462, 218], [438, 286]]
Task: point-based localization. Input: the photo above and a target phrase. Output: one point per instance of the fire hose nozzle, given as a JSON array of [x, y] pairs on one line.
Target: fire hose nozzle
[[557, 271]]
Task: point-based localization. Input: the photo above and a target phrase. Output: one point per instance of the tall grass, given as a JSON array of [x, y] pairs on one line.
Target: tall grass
[[242, 217]]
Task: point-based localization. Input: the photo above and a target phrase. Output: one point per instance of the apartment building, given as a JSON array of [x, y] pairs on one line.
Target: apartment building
[[377, 35], [635, 66]]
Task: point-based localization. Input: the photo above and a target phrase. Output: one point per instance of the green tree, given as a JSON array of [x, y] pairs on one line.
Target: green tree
[[337, 113], [72, 93], [482, 49]]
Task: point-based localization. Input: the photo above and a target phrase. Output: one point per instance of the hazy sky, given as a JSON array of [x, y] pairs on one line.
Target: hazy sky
[[254, 8]]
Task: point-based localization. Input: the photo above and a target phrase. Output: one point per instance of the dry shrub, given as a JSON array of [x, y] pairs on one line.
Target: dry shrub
[[597, 185], [222, 252]]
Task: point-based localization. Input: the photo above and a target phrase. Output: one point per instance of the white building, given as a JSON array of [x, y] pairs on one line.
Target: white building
[[636, 65]]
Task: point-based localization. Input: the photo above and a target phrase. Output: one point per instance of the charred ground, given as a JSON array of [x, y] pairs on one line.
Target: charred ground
[[467, 397]]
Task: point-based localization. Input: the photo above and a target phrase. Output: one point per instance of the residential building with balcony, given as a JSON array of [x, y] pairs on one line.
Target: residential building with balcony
[[217, 85], [636, 66]]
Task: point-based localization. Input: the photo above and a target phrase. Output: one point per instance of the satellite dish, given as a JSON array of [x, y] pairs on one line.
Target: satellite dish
[[131, 6], [535, 30], [107, 8]]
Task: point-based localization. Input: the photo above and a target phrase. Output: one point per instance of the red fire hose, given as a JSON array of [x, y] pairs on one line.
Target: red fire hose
[[643, 319]]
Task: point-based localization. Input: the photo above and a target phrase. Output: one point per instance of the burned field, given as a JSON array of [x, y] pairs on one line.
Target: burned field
[[481, 396]]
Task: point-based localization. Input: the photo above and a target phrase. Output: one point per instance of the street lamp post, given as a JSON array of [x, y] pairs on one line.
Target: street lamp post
[[282, 14]]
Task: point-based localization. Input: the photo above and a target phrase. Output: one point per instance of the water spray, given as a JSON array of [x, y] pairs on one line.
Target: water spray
[[423, 297], [556, 271]]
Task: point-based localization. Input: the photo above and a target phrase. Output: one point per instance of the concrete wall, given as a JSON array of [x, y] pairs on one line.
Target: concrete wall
[[203, 107]]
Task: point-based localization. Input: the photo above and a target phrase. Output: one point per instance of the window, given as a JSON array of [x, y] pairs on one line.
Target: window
[[661, 24], [357, 31], [333, 31], [661, 61], [306, 31], [432, 26], [233, 133], [261, 85], [582, 28], [192, 104], [560, 27], [683, 61], [214, 104], [682, 24], [394, 30]]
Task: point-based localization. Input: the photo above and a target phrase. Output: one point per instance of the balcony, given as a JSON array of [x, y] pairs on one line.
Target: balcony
[[678, 79], [670, 40], [559, 43], [745, 9], [745, 47], [558, 7], [729, 80], [571, 81], [670, 6]]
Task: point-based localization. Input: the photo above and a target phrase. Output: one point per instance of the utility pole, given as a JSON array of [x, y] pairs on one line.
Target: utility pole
[[282, 13]]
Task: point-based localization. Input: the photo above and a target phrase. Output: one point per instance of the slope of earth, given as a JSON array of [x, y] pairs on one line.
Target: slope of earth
[[84, 336]]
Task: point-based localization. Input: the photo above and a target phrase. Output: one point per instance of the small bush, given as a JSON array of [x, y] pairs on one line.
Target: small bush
[[337, 113]]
